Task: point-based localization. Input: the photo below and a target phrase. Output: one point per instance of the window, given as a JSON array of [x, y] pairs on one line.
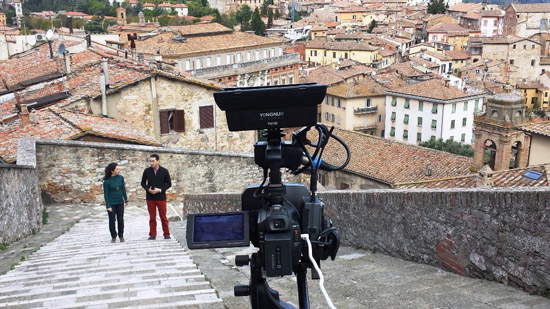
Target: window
[[392, 132], [418, 137], [464, 121], [368, 103], [248, 56], [291, 80], [326, 116], [283, 81], [406, 134], [533, 46], [218, 60], [238, 58], [476, 106], [434, 124], [197, 64], [452, 124], [419, 121], [533, 62], [338, 104], [393, 116], [265, 53], [172, 120], [407, 103], [454, 108], [524, 46], [332, 117], [206, 116], [465, 106], [379, 118], [208, 62], [432, 138], [420, 106], [406, 119], [228, 59], [333, 54], [452, 138], [463, 137], [534, 100], [346, 55], [393, 101], [514, 46], [434, 109], [188, 65], [511, 61]]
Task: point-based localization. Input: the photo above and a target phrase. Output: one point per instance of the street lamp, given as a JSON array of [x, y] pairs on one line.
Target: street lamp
[[49, 37]]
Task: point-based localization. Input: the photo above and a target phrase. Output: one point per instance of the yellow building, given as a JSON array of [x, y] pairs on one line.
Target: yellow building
[[534, 94], [327, 52], [458, 40], [351, 15], [355, 105], [459, 58]]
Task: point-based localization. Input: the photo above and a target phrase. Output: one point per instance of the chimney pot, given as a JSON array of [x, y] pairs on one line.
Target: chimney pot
[[24, 115]]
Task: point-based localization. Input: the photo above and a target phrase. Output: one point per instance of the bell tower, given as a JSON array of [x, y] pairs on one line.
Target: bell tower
[[498, 142]]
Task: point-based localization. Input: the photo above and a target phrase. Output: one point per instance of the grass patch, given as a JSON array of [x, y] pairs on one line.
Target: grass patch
[[3, 246], [45, 216]]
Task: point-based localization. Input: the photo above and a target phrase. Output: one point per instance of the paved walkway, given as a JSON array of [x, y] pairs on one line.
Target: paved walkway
[[83, 269]]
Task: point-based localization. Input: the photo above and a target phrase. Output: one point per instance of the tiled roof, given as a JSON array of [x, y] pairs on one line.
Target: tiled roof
[[395, 162], [506, 178], [465, 7], [503, 39], [434, 89], [438, 55], [531, 7], [353, 9], [492, 13], [328, 75], [448, 27], [340, 45], [355, 89], [63, 124], [202, 44], [201, 29], [540, 128], [472, 15], [458, 54]]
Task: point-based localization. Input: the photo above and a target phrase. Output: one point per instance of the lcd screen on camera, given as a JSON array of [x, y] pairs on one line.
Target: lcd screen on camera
[[217, 230]]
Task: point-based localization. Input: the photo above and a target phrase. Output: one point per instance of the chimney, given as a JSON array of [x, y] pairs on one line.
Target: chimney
[[24, 115], [104, 83]]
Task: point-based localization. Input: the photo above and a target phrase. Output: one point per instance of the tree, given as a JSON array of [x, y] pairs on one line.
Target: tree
[[437, 7], [243, 16], [97, 25], [257, 24], [372, 25], [227, 19], [270, 19], [449, 146], [265, 7]]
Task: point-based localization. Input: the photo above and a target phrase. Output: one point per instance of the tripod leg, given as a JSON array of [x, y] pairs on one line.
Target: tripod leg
[[261, 295], [301, 278]]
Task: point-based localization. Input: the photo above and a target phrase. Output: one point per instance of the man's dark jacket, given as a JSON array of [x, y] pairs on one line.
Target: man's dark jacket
[[159, 181]]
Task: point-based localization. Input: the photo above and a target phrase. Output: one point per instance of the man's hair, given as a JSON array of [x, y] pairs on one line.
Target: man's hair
[[156, 156]]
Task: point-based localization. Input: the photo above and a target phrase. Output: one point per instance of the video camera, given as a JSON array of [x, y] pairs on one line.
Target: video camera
[[284, 220]]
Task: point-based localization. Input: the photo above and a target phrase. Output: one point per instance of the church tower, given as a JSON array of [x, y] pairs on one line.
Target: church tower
[[498, 142]]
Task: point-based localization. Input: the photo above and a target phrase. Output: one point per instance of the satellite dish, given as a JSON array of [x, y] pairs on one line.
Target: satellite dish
[[49, 35], [61, 49]]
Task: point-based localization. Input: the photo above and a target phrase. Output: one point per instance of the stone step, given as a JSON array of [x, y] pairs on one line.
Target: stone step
[[135, 268], [90, 295], [85, 252], [18, 294]]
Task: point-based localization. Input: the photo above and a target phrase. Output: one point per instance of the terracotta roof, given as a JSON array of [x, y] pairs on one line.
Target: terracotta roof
[[458, 54], [540, 128], [63, 124], [73, 13], [492, 13], [201, 29], [355, 89], [529, 85], [448, 27], [353, 9], [465, 7], [394, 162], [438, 55], [340, 45], [506, 178], [437, 90], [328, 75], [531, 7], [197, 45], [472, 15], [148, 4], [503, 39], [179, 5]]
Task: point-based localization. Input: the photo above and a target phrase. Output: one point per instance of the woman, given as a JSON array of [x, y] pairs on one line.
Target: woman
[[114, 191]]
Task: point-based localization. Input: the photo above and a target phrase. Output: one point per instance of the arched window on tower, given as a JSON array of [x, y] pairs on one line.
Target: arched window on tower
[[489, 153], [515, 155]]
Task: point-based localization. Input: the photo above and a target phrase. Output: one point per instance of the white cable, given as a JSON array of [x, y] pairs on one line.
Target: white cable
[[321, 278]]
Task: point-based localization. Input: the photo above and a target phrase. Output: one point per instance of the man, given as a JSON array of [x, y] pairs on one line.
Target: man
[[155, 181]]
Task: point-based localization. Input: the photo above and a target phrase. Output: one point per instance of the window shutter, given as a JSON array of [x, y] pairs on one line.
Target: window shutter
[[206, 114], [163, 122], [179, 121]]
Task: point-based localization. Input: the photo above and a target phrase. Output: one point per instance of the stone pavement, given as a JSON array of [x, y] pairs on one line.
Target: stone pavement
[[83, 269]]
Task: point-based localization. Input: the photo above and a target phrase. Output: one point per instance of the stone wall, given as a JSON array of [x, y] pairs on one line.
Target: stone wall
[[496, 234], [71, 171], [20, 205]]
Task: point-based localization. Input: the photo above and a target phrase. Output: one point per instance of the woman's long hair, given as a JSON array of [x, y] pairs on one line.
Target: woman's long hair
[[109, 170]]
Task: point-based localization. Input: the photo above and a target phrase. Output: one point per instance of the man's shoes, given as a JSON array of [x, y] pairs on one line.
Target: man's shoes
[[167, 237], [121, 239], [151, 238], [113, 240]]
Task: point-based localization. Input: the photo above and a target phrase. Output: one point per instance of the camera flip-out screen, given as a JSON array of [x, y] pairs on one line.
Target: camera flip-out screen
[[258, 108], [220, 230]]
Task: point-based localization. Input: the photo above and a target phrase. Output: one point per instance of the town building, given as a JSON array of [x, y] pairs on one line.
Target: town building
[[492, 23], [327, 51], [526, 19], [415, 115]]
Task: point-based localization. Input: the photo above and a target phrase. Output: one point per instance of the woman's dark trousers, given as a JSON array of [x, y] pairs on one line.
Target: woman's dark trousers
[[118, 215]]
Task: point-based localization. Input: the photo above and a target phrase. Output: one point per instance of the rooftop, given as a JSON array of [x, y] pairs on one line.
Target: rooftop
[[356, 89], [448, 27], [531, 7], [340, 45], [376, 158], [540, 128], [465, 7], [438, 90]]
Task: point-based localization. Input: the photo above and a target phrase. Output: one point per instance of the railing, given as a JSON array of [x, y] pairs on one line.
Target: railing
[[365, 110]]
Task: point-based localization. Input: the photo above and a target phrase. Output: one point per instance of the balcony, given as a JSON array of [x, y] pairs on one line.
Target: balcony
[[365, 128], [365, 110]]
